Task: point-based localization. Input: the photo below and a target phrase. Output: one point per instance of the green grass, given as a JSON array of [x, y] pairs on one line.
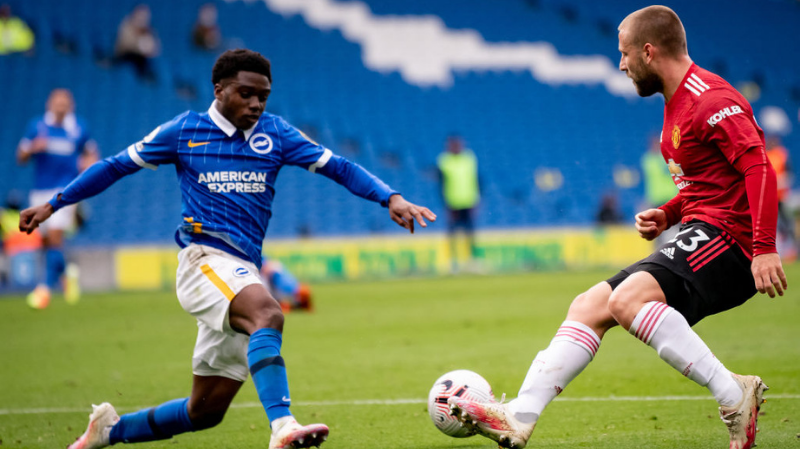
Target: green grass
[[391, 340]]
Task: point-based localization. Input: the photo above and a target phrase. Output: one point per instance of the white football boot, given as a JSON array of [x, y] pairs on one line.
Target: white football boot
[[292, 435], [101, 421], [492, 420], [742, 418]]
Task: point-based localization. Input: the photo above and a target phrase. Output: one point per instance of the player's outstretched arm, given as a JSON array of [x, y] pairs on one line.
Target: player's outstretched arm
[[404, 213], [651, 223], [768, 274], [94, 180]]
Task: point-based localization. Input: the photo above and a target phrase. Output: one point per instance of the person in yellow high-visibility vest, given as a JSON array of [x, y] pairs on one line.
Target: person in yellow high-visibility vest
[[15, 35], [779, 158], [458, 172]]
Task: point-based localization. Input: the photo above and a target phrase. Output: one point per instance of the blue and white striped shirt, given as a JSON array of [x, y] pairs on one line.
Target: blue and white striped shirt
[[57, 165], [227, 176]]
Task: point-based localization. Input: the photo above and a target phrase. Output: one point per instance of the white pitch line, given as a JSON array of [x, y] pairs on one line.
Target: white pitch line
[[45, 410]]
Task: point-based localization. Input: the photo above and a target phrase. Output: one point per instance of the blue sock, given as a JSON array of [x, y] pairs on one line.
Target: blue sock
[[54, 266], [269, 372], [151, 424]]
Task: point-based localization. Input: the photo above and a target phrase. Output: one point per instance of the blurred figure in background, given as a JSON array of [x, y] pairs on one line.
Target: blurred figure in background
[[290, 293], [658, 184], [60, 147], [137, 42], [18, 250], [206, 34], [609, 213], [779, 158], [15, 35], [458, 174]]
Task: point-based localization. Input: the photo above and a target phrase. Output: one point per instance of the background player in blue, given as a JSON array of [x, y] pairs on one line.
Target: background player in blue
[[60, 147], [227, 160]]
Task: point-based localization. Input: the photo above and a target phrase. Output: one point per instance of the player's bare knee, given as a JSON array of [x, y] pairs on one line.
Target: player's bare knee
[[272, 315], [621, 303], [591, 308]]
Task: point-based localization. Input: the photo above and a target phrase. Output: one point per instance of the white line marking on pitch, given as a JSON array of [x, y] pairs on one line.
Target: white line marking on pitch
[[44, 410]]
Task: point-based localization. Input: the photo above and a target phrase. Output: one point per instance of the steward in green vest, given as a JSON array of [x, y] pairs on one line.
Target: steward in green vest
[[458, 172], [15, 35]]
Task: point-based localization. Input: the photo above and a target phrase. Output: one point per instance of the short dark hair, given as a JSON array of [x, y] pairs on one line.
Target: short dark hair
[[230, 63], [657, 25]]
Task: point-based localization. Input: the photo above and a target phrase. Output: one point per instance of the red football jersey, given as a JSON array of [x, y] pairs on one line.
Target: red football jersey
[[715, 152]]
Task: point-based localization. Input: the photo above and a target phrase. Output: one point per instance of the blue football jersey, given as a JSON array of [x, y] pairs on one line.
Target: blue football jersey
[[227, 176], [58, 164]]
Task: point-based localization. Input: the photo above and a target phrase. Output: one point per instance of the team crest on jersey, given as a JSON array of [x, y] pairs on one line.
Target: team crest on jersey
[[261, 143], [676, 137], [241, 272]]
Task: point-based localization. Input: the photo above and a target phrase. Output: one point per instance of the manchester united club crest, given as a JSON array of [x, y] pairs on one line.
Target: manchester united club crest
[[676, 137]]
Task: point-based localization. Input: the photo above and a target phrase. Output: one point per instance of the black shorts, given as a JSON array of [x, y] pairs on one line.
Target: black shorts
[[461, 218], [702, 271]]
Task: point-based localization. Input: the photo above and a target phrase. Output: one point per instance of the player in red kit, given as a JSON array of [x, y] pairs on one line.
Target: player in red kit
[[723, 253]]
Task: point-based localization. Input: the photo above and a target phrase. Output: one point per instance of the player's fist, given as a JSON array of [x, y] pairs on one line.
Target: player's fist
[[404, 213], [651, 223], [38, 145], [30, 218], [768, 274]]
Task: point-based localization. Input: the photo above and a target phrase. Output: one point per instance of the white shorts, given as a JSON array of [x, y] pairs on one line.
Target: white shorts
[[208, 279], [63, 219]]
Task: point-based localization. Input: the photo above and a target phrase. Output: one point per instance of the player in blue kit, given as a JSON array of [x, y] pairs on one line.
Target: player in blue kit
[[59, 145], [227, 160]]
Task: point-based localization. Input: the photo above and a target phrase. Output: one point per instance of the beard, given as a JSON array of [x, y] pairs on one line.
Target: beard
[[646, 82]]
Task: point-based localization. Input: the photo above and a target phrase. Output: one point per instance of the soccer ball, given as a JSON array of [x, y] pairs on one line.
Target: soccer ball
[[462, 383]]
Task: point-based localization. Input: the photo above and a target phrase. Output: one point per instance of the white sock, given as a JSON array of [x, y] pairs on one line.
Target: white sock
[[573, 347], [668, 332]]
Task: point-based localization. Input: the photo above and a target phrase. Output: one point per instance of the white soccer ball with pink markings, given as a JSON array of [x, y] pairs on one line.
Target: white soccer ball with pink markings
[[461, 383]]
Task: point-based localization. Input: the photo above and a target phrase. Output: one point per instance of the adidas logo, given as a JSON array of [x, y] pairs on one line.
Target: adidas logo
[[669, 252]]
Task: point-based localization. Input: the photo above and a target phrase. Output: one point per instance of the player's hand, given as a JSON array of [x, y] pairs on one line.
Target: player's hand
[[651, 223], [38, 145], [768, 274], [404, 213], [30, 218]]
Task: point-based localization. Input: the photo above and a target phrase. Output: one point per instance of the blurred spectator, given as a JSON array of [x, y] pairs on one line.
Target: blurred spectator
[[779, 158], [15, 35], [658, 184], [18, 250], [609, 213], [206, 34], [458, 174], [137, 42], [60, 147], [284, 287]]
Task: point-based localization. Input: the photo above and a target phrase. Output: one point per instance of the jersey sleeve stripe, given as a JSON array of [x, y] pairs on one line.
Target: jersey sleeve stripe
[[217, 281], [694, 91], [326, 156], [696, 84], [697, 78], [134, 155]]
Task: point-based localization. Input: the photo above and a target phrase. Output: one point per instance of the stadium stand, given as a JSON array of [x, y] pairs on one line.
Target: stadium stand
[[513, 122]]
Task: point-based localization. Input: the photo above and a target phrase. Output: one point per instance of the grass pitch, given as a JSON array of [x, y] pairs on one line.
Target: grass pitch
[[364, 361]]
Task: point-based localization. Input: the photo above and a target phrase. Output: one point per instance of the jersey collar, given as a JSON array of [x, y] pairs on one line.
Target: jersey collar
[[226, 126], [70, 123]]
